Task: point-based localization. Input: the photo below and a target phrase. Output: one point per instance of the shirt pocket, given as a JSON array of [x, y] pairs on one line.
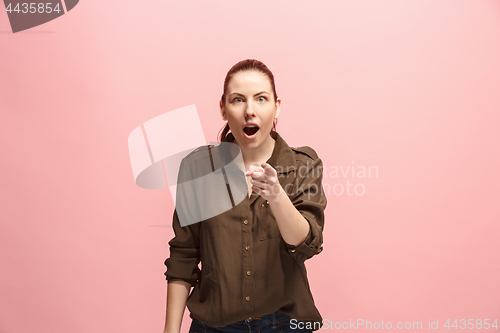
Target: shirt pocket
[[268, 227]]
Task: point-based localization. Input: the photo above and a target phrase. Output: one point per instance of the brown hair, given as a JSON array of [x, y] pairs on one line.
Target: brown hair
[[247, 65]]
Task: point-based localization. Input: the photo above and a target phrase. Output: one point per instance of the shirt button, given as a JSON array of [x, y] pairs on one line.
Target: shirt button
[[267, 202], [262, 205], [292, 250], [245, 222], [250, 319], [248, 272], [319, 250], [247, 247], [247, 298]]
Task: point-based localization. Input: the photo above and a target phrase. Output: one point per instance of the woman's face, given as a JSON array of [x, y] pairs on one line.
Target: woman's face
[[250, 101]]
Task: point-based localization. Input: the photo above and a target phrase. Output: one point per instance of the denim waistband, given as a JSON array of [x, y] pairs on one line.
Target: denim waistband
[[272, 317], [278, 315]]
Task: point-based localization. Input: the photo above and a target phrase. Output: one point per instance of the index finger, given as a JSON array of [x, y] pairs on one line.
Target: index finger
[[268, 169], [253, 169]]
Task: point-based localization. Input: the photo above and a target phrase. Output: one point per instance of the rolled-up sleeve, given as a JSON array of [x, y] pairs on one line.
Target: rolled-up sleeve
[[310, 201], [185, 246], [184, 253]]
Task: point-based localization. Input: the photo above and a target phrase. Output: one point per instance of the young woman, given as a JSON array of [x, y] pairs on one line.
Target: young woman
[[253, 277]]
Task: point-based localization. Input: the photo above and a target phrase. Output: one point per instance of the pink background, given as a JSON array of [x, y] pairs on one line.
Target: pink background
[[410, 87]]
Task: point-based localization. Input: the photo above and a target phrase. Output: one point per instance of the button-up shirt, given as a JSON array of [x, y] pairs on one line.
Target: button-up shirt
[[248, 270]]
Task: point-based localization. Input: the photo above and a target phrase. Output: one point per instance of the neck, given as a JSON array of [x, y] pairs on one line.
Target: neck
[[260, 154]]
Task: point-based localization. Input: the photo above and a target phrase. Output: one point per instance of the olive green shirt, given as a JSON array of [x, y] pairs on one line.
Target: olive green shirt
[[248, 270]]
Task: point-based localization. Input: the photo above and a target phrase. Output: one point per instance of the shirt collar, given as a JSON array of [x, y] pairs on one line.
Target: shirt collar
[[282, 158]]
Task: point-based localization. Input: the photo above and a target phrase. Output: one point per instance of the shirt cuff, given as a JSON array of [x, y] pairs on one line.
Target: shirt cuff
[[185, 269], [169, 279], [305, 249]]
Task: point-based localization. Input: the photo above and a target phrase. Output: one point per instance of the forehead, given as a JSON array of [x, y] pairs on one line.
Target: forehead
[[249, 81]]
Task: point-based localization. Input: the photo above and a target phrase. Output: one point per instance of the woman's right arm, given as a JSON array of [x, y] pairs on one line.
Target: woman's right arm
[[182, 265], [182, 272], [177, 295]]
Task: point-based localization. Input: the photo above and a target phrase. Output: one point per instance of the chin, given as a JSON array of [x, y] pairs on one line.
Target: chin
[[254, 143]]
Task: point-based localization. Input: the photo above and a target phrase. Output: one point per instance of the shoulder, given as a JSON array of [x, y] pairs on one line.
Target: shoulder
[[307, 157], [196, 163], [305, 152], [198, 154], [201, 150]]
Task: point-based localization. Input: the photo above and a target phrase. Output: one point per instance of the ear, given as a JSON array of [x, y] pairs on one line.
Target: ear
[[222, 110], [278, 108]]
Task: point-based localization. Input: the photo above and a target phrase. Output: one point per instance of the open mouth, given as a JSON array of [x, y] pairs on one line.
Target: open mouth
[[250, 130]]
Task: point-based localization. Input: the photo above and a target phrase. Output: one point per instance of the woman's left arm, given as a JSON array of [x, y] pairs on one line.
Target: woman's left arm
[[300, 219]]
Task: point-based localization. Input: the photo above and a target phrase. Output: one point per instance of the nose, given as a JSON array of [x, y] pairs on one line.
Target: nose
[[249, 111]]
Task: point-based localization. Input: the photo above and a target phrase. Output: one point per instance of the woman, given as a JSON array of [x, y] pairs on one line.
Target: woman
[[253, 276]]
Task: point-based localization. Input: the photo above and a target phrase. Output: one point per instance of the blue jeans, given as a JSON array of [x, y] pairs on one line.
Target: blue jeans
[[277, 322]]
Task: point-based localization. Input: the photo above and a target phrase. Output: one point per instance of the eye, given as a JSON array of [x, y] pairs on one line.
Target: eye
[[237, 100], [262, 99]]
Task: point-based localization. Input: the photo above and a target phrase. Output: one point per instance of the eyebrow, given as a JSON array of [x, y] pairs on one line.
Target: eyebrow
[[262, 92]]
